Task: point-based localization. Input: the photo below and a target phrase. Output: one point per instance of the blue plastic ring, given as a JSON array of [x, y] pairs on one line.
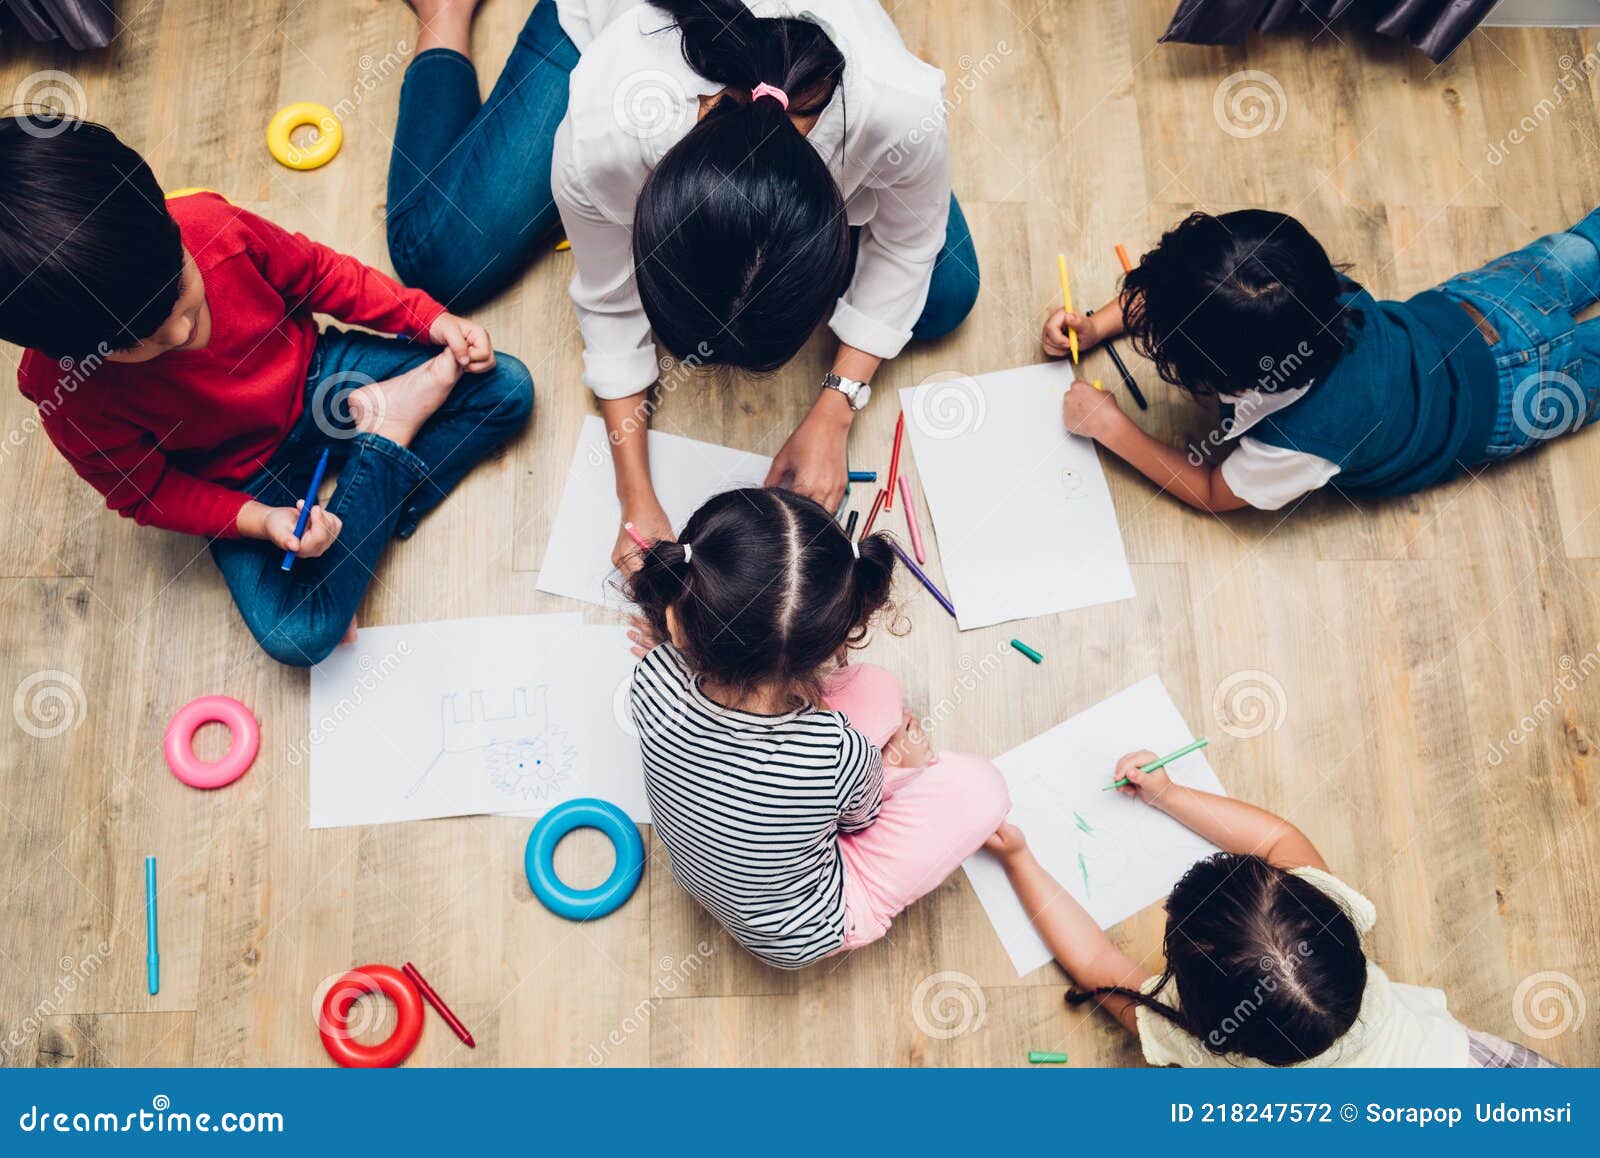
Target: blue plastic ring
[[539, 859]]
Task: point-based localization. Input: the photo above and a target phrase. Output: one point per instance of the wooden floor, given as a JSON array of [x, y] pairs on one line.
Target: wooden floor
[[1421, 663]]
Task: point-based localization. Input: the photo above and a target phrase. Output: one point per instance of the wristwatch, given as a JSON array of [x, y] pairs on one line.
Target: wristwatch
[[858, 394]]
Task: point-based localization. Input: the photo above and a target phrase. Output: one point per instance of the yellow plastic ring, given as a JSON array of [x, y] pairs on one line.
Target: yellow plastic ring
[[330, 135]]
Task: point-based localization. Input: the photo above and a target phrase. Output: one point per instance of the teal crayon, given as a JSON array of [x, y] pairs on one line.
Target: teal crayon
[[152, 950], [1037, 657], [1161, 763], [864, 476]]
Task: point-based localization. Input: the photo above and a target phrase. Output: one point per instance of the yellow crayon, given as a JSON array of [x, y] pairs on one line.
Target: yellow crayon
[[1066, 302]]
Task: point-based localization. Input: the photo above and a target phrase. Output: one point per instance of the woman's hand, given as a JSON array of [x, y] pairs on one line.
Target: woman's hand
[[1055, 340], [468, 341], [1149, 787], [650, 522], [813, 462], [1089, 412]]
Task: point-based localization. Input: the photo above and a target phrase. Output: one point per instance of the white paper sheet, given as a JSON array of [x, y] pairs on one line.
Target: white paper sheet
[[577, 560], [504, 714], [1131, 854], [1023, 516]]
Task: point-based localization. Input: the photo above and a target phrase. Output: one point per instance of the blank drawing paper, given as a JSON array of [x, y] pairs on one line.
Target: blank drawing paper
[[1115, 854], [577, 560], [1023, 515], [510, 714]]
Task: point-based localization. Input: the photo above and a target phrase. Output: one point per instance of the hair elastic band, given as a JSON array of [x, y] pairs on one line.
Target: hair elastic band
[[776, 93], [855, 549], [688, 553]]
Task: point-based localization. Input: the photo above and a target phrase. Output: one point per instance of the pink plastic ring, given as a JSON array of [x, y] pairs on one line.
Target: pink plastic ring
[[179, 744]]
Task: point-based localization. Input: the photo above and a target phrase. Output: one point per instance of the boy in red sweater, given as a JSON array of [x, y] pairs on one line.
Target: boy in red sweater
[[174, 361]]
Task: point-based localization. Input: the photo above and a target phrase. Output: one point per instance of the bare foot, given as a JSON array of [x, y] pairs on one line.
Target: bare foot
[[445, 24], [350, 632], [397, 407]]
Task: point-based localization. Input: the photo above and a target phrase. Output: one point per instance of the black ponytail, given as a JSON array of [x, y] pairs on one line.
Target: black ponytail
[[766, 589], [740, 240], [1266, 964]]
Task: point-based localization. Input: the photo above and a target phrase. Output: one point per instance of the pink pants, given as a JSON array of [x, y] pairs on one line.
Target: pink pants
[[932, 818]]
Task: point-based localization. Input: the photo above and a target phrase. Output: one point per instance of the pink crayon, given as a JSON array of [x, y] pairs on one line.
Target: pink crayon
[[911, 521]]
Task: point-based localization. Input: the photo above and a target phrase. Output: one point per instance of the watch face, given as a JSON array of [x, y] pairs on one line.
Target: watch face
[[863, 396]]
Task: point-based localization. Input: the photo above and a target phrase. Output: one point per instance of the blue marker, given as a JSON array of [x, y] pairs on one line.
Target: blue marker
[[305, 511], [152, 954], [863, 476]]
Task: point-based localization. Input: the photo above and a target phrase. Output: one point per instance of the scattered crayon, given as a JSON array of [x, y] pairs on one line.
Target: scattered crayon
[[1037, 657], [1045, 1057], [864, 476]]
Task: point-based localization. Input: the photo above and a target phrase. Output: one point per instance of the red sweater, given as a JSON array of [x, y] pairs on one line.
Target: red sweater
[[169, 441]]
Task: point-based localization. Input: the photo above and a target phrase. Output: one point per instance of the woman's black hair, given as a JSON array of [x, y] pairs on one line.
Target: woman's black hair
[[1243, 300], [740, 241], [766, 589], [1266, 964], [90, 259]]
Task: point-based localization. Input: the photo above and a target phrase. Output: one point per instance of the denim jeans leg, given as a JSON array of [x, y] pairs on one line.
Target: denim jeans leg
[[469, 202], [954, 290]]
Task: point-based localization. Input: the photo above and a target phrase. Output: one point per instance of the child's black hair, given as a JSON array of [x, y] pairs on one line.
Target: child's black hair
[[766, 591], [1237, 301], [89, 256], [741, 245], [1266, 964]]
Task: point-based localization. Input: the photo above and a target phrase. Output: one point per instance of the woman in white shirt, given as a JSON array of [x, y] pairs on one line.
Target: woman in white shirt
[[1267, 954], [729, 172]]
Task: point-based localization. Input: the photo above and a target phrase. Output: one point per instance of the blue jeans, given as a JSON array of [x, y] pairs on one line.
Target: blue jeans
[[299, 616], [1548, 362], [469, 180]]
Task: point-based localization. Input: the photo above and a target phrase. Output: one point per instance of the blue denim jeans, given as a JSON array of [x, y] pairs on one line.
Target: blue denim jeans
[[298, 616], [1548, 361], [469, 180]]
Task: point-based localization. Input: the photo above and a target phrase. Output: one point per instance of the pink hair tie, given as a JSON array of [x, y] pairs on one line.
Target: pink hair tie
[[765, 89]]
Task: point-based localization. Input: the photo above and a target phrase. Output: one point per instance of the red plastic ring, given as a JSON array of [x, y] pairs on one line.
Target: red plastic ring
[[334, 1022]]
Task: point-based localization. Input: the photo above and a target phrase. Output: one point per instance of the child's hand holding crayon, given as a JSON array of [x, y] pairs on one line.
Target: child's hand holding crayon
[[1056, 342], [322, 529], [468, 341], [1089, 412], [1146, 786]]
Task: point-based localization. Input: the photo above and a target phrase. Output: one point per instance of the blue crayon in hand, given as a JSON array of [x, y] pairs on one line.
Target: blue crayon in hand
[[152, 958], [305, 511]]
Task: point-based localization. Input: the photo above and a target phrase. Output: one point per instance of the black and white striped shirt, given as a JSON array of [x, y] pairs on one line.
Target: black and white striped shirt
[[750, 808]]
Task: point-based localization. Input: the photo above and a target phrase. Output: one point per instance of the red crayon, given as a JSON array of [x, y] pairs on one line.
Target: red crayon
[[872, 515], [437, 1002], [894, 461]]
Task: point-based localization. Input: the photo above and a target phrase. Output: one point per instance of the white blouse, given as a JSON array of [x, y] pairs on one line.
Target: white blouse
[[633, 97]]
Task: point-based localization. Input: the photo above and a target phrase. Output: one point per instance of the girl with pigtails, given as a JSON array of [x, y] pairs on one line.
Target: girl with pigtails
[[798, 801]]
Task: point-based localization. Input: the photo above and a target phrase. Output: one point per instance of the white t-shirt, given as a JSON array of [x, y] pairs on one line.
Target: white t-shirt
[[633, 97], [1399, 1025], [1265, 476]]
